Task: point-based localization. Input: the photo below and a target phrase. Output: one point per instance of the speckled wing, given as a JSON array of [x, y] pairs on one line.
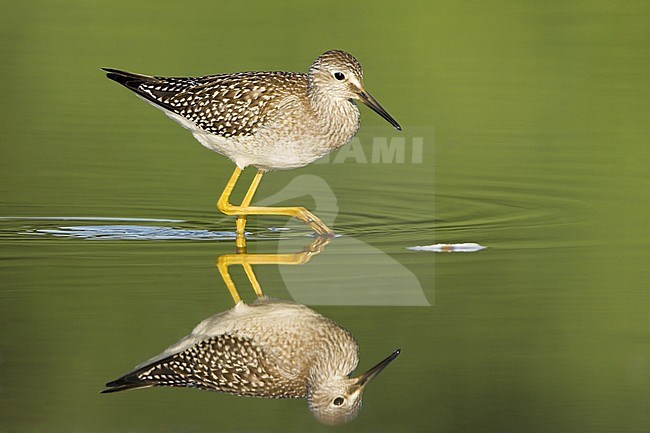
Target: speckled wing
[[226, 105], [225, 363]]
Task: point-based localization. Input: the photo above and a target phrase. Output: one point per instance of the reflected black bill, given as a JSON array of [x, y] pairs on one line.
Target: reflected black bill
[[371, 102], [369, 375]]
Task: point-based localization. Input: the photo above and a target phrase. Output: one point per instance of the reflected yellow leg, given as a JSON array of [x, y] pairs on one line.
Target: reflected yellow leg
[[248, 260], [253, 279], [244, 209], [230, 284]]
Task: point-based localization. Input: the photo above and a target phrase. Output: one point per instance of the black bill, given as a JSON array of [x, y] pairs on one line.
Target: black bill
[[371, 102], [369, 375]]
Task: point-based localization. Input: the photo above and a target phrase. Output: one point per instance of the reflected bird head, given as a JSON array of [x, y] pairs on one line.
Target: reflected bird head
[[337, 400], [340, 76]]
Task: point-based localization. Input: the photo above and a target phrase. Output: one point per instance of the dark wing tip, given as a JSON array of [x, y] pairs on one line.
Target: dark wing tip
[[129, 80], [125, 383], [142, 85]]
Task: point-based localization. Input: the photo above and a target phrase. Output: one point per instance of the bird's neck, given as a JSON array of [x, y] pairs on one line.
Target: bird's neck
[[334, 360], [338, 117]]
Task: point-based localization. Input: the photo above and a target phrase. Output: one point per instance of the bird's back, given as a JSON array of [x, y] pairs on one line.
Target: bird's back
[[225, 105]]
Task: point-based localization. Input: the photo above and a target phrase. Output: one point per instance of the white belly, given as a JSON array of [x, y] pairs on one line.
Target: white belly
[[263, 152]]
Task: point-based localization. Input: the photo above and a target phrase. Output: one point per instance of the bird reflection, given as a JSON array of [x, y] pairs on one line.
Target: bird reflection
[[269, 348]]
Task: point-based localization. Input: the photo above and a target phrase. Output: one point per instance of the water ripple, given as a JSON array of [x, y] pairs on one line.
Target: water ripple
[[133, 232], [124, 229]]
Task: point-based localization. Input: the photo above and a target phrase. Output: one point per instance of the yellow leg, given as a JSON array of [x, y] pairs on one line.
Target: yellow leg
[[241, 219], [224, 202], [244, 209]]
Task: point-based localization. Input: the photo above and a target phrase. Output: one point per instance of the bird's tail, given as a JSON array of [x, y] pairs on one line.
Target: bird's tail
[[158, 373], [126, 382], [129, 80]]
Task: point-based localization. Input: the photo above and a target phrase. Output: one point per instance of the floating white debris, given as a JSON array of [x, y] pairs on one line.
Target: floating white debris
[[467, 247]]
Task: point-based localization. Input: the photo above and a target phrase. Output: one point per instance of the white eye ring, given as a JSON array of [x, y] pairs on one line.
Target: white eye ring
[[338, 401], [339, 75]]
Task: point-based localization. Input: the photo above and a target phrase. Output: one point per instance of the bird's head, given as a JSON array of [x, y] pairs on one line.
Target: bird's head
[[338, 75], [337, 400]]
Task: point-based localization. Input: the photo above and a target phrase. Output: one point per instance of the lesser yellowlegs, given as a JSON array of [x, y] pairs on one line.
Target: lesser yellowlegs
[[270, 348], [270, 120]]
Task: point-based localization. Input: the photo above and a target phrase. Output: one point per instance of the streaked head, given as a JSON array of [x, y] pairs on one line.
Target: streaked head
[[338, 400], [339, 75]]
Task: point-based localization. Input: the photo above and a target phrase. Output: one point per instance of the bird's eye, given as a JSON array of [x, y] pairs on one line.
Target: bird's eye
[[338, 401], [339, 76]]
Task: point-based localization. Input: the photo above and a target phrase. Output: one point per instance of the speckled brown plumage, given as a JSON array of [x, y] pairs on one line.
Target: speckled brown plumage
[[226, 105], [272, 349], [225, 363]]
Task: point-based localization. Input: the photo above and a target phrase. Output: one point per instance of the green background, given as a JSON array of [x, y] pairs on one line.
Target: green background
[[535, 124]]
